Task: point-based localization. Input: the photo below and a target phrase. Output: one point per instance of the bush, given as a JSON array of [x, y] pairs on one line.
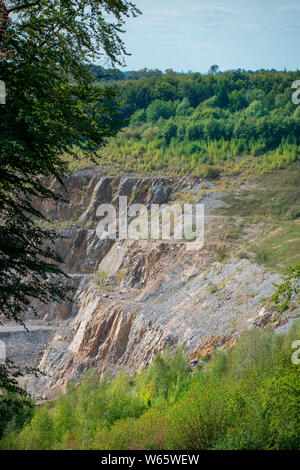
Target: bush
[[295, 214], [211, 172], [254, 349], [201, 417], [147, 432], [243, 255], [262, 255], [281, 404], [15, 411]]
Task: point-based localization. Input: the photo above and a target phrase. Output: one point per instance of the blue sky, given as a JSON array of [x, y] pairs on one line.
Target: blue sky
[[194, 34]]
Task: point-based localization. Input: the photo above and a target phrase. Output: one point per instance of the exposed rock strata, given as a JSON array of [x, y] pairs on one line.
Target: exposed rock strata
[[150, 295]]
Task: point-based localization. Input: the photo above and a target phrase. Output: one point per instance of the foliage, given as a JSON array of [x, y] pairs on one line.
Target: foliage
[[16, 404], [269, 205], [219, 117], [203, 415], [246, 397], [15, 410], [288, 288], [52, 105]]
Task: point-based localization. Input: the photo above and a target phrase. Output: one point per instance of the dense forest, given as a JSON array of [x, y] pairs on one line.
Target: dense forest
[[202, 123]]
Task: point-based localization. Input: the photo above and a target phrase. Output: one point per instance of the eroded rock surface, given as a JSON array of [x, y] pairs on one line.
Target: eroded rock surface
[[135, 298]]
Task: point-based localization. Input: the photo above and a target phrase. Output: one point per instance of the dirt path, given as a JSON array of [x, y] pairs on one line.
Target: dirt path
[[4, 329]]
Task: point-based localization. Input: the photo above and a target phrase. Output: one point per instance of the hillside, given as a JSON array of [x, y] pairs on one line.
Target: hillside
[[135, 298], [229, 142], [205, 125]]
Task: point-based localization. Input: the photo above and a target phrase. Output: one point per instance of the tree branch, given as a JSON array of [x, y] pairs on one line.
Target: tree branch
[[23, 7]]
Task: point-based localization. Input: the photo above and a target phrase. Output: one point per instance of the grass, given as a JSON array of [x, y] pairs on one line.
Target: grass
[[101, 277], [213, 289], [214, 159], [275, 196], [222, 257], [58, 224], [120, 276], [268, 205], [282, 249], [109, 283]]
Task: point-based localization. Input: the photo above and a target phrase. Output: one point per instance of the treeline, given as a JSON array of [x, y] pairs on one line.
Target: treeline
[[198, 120], [247, 397], [102, 74], [272, 89]]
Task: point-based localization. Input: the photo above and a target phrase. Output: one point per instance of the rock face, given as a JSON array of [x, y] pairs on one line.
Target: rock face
[[133, 298]]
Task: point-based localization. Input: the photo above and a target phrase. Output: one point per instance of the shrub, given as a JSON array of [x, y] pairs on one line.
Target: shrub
[[281, 404], [262, 255], [15, 411], [243, 255], [211, 172], [147, 432], [254, 349], [201, 417]]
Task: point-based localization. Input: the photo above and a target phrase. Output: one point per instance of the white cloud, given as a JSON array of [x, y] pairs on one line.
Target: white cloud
[[289, 8], [174, 12], [184, 12], [215, 9]]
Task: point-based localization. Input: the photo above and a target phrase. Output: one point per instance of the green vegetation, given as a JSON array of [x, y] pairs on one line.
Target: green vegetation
[[58, 117], [15, 411], [289, 288], [52, 106], [108, 283], [273, 196], [267, 207], [244, 398], [104, 282], [206, 125], [101, 277], [281, 249]]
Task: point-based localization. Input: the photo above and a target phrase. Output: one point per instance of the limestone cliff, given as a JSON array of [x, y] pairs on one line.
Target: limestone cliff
[[132, 299]]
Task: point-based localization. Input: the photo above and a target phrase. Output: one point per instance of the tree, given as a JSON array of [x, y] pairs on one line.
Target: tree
[[184, 108], [238, 100], [160, 109], [170, 72], [222, 98], [255, 109], [194, 130], [169, 131], [46, 48], [214, 69], [16, 409]]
